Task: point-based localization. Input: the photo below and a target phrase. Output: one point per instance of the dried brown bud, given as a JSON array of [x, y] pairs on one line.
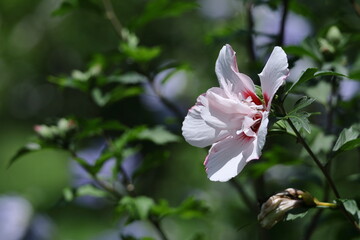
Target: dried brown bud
[[278, 205]]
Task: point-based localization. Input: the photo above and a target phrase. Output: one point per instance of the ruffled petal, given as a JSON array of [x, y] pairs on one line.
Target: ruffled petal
[[259, 142], [228, 157], [196, 131], [228, 74], [274, 74]]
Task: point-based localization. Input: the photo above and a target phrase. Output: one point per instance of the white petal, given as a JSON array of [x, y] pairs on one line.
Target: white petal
[[228, 157], [274, 74], [227, 72], [197, 132], [259, 142]]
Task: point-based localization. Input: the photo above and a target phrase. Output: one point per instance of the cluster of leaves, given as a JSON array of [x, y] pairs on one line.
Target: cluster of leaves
[[109, 79]]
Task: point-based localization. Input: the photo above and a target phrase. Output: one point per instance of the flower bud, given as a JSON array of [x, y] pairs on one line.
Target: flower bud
[[334, 35], [326, 49], [65, 125], [44, 131], [278, 205]]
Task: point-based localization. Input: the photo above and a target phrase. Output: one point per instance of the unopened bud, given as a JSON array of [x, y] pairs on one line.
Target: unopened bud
[[334, 35], [326, 49], [44, 131], [277, 206], [65, 125]]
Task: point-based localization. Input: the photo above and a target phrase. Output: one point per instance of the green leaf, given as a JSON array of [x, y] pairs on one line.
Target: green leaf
[[311, 73], [307, 75], [70, 5], [90, 190], [69, 82], [85, 190], [282, 126], [351, 207], [28, 148], [355, 75], [68, 194], [158, 135], [100, 98], [296, 213], [97, 126], [300, 51], [138, 208], [140, 53], [156, 9], [302, 103], [191, 208], [320, 92], [128, 78], [348, 139], [121, 92], [300, 120], [65, 7], [188, 209]]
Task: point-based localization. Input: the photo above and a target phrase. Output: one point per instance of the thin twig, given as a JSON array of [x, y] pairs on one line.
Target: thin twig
[[250, 28], [103, 185], [243, 195], [281, 35], [158, 228], [110, 14], [322, 168]]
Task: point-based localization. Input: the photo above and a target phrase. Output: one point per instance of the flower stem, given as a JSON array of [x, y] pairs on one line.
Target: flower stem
[[250, 28], [316, 160], [281, 34], [321, 167], [110, 14], [156, 224], [325, 204], [243, 195]]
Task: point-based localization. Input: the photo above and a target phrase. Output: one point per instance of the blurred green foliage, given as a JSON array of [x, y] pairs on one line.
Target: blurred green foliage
[[68, 59]]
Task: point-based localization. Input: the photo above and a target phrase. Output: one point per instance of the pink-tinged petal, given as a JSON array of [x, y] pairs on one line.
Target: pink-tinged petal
[[228, 74], [197, 132], [259, 142], [274, 74], [228, 157], [221, 112]]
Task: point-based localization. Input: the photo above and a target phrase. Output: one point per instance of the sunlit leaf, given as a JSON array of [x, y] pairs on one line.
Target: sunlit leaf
[[100, 98], [68, 82], [138, 208], [158, 135], [90, 190], [300, 120], [128, 78], [302, 103], [348, 139], [300, 51], [351, 206], [311, 73], [307, 75], [188, 209], [295, 214], [140, 53]]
